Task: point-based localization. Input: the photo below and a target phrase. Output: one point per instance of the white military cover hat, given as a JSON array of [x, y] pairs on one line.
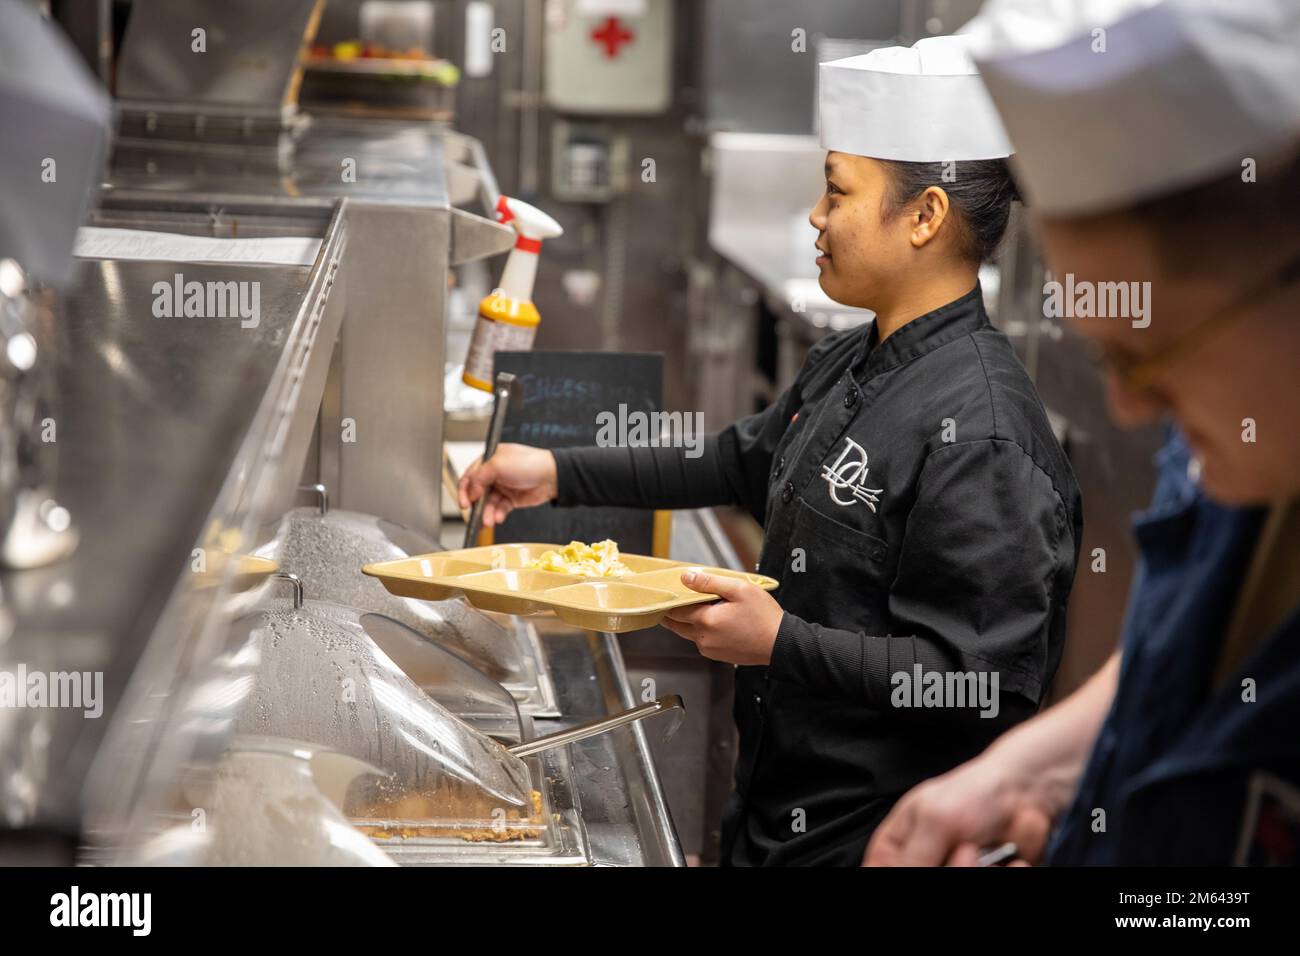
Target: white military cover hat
[[922, 103], [1111, 102]]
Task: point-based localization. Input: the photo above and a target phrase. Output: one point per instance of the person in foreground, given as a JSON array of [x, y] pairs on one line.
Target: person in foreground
[[1182, 749]]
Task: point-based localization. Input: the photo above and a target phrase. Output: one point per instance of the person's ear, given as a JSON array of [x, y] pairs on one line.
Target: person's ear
[[928, 215]]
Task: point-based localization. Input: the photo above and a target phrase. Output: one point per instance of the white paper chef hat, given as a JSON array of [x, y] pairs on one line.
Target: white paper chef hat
[[1022, 26], [922, 103], [1185, 90]]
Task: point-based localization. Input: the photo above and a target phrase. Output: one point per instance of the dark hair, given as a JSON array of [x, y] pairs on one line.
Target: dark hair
[[981, 192]]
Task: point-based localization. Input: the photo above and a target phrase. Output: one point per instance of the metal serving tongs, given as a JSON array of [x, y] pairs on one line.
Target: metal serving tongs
[[505, 385], [601, 724]]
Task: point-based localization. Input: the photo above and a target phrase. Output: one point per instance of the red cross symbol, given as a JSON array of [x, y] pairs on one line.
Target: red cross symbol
[[612, 35]]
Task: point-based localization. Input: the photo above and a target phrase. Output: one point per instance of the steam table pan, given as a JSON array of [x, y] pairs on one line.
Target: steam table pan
[[498, 578]]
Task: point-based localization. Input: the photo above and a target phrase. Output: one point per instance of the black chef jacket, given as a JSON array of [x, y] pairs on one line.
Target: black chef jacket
[[918, 512]]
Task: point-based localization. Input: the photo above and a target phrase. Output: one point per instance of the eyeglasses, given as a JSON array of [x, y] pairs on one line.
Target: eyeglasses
[[1138, 373]]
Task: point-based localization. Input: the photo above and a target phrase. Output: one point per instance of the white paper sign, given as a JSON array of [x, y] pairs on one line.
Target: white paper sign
[[94, 242], [611, 8]]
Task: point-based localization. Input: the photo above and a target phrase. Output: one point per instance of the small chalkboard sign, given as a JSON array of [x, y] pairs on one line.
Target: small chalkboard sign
[[558, 396]]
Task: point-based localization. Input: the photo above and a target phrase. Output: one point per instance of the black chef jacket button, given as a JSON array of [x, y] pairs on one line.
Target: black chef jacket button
[[780, 464], [787, 492], [758, 700], [851, 397]]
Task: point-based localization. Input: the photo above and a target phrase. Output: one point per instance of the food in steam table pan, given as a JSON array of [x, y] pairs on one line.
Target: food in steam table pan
[[454, 810], [597, 560]]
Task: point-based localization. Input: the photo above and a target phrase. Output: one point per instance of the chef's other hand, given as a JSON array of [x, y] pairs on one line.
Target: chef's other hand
[[739, 629], [516, 476], [952, 819]]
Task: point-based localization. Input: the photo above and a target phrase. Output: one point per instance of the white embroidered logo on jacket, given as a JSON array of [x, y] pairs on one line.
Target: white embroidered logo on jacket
[[850, 474]]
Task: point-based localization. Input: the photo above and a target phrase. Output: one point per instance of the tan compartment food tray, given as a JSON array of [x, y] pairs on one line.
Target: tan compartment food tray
[[497, 578]]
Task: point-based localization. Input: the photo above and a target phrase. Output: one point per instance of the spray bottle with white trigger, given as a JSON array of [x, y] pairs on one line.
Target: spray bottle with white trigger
[[508, 319]]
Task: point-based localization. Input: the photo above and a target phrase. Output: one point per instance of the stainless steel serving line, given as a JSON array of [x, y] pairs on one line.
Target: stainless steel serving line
[[378, 447], [202, 127], [646, 798], [624, 809], [184, 445], [169, 430], [605, 792], [408, 235]]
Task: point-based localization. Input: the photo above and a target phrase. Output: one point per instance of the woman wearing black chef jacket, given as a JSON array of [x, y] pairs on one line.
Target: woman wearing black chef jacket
[[920, 516]]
